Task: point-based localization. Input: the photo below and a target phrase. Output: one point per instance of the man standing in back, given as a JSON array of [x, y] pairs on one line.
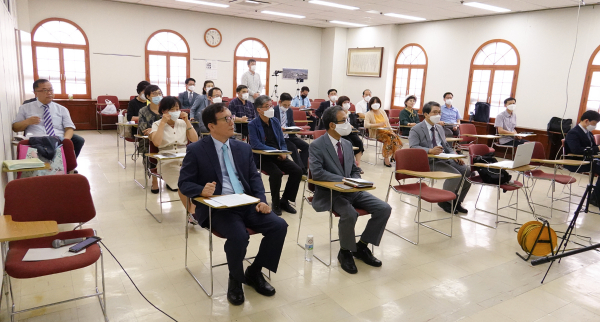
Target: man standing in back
[[252, 80]]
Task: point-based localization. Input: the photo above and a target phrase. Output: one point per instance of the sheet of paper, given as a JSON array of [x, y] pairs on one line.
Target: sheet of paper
[[172, 155], [450, 155], [274, 151], [235, 200], [42, 254], [213, 203]]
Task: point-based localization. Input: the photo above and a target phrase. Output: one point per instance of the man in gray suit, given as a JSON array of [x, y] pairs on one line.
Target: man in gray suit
[[188, 97], [332, 159], [429, 136]]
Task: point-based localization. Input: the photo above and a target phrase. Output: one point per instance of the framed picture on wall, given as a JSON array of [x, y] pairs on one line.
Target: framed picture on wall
[[365, 62]]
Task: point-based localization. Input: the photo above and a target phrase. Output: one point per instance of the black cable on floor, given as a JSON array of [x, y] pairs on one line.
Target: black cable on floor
[[113, 256]]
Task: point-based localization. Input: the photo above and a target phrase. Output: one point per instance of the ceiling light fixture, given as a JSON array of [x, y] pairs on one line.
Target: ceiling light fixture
[[485, 7], [348, 23], [251, 1], [375, 12], [212, 4], [282, 14], [395, 15], [332, 4]]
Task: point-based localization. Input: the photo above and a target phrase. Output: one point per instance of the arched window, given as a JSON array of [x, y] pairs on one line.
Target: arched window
[[167, 61], [590, 99], [493, 76], [257, 50], [409, 75], [61, 54]]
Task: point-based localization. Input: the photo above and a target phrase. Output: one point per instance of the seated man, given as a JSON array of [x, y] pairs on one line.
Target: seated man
[[41, 116], [242, 108], [332, 159], [578, 139], [188, 97], [266, 134], [506, 123], [361, 107], [217, 165], [200, 103], [285, 116], [450, 116], [303, 101], [332, 94], [429, 136], [137, 103]]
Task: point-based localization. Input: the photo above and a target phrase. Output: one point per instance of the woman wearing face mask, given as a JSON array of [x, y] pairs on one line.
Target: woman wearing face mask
[[199, 105], [171, 135], [148, 115], [137, 103], [344, 102], [409, 115], [376, 118]]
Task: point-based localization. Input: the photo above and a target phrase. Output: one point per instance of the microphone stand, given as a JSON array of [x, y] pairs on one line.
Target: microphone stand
[[275, 88]]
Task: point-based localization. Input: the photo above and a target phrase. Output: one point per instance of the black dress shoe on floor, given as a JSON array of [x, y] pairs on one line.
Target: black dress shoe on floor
[[347, 261], [460, 209], [154, 191], [285, 206], [259, 283], [169, 187], [276, 210], [364, 253], [446, 206], [235, 292]]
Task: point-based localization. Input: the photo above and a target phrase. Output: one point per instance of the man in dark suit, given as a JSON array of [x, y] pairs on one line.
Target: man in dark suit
[[332, 159], [265, 134], [285, 115], [578, 139], [218, 165], [332, 94], [188, 97]]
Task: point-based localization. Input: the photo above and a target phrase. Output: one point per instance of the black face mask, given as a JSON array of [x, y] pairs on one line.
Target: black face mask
[[303, 96]]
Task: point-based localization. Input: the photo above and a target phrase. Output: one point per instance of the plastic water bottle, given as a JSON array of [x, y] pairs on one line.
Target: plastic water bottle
[[308, 248], [120, 118]]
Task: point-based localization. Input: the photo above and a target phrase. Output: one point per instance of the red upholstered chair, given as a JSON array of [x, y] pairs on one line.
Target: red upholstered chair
[[416, 162], [394, 116], [318, 134], [100, 105], [68, 148], [597, 138], [480, 150], [466, 141], [311, 189], [65, 199], [132, 97]]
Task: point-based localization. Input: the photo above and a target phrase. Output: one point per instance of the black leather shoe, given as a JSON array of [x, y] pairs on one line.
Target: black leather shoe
[[593, 201], [154, 191], [169, 187], [364, 253], [461, 209], [446, 206], [347, 261], [276, 210], [285, 206], [259, 283], [235, 292]]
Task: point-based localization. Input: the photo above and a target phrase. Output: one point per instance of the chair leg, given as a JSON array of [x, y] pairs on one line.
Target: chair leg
[[300, 216], [12, 300], [103, 299]]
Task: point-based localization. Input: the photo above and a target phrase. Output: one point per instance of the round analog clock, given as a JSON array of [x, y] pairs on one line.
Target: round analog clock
[[212, 37]]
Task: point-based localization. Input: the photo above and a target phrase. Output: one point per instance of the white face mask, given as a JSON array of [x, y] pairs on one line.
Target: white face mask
[[283, 108], [208, 89], [143, 97], [590, 127], [175, 115], [435, 119], [346, 106], [367, 99], [245, 96], [191, 88], [511, 107], [269, 113], [343, 129], [253, 68], [449, 102], [333, 98], [216, 100], [375, 106]]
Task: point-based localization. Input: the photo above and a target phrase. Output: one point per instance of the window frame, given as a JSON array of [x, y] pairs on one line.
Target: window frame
[[236, 58], [410, 67], [591, 68], [168, 54], [493, 69], [61, 47]]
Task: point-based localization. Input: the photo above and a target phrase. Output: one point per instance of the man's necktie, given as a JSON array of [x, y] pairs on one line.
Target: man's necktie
[[235, 182], [48, 121], [340, 154], [284, 123], [433, 140]]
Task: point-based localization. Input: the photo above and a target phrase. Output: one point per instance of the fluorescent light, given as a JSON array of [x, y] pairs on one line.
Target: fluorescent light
[[485, 6], [332, 4], [375, 12], [348, 23], [395, 15], [212, 4], [250, 1], [282, 14]]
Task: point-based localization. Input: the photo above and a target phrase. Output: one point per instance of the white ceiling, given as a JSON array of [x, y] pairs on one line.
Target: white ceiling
[[318, 15]]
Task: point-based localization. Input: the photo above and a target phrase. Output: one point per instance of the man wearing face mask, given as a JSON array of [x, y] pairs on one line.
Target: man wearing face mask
[[266, 134], [577, 140], [199, 105], [332, 94], [450, 116], [361, 107], [332, 159], [188, 97], [213, 96], [429, 136], [506, 122], [303, 101], [137, 103], [241, 108], [285, 116], [252, 80]]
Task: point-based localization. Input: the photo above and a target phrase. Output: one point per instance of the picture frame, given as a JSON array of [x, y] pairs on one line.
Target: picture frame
[[365, 62]]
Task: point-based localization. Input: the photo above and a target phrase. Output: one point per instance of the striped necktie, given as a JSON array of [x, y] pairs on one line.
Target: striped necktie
[[48, 121]]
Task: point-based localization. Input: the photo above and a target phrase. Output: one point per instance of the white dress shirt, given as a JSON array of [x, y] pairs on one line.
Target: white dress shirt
[[61, 119], [361, 107]]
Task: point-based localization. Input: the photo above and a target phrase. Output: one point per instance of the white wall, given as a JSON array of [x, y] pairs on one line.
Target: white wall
[[122, 28]]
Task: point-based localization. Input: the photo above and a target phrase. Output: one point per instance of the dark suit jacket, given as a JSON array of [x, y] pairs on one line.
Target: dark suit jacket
[[201, 166], [258, 138], [324, 105], [184, 99], [290, 116], [576, 141]]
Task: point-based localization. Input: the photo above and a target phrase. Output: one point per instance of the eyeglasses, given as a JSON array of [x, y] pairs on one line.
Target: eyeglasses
[[227, 119], [342, 121], [46, 90]]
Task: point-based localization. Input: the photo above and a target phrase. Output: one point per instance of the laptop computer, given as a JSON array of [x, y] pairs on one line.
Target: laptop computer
[[522, 157]]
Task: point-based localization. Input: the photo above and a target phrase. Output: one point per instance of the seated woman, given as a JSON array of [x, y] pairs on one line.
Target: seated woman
[[147, 116], [171, 135], [344, 102], [375, 119], [409, 116]]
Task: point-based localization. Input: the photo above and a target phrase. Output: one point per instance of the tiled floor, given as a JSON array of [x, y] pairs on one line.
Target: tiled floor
[[473, 276]]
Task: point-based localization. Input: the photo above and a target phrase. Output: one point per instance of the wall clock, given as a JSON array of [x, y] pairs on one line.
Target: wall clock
[[212, 37]]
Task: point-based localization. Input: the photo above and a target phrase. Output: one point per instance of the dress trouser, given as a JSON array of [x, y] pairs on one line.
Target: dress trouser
[[78, 142], [275, 169], [314, 122], [516, 142], [345, 205], [449, 130], [294, 144], [231, 224], [586, 168], [242, 128], [356, 142], [453, 184]]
